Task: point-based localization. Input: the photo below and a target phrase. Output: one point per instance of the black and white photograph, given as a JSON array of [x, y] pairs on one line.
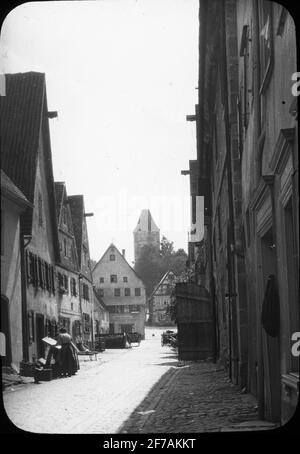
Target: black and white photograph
[[149, 220]]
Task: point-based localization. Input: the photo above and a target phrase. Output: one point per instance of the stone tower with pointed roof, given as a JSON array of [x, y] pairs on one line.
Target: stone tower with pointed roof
[[145, 233]]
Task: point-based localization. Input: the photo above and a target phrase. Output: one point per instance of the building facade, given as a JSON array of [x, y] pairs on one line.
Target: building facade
[[26, 159], [122, 291], [268, 145], [46, 275], [247, 170], [13, 203], [85, 285], [67, 269], [146, 233], [160, 300]]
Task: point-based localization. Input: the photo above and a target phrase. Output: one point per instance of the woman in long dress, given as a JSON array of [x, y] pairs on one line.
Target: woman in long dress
[[68, 359]]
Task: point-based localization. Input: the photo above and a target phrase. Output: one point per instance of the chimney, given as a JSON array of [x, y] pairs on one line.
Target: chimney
[[123, 252]]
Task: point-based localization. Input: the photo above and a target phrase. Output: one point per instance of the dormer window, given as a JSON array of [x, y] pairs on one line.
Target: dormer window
[[112, 257]]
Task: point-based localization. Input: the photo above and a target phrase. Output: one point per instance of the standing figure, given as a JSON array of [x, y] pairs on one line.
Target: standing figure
[[67, 358]]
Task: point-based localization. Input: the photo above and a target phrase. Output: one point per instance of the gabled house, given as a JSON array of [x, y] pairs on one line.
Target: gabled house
[[69, 307], [13, 204], [122, 290], [160, 300], [27, 161], [86, 295]]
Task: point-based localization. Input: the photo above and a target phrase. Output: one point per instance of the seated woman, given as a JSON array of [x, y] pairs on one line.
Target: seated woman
[[68, 359]]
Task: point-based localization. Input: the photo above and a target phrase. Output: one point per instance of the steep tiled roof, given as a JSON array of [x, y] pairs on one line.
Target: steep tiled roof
[[59, 192], [76, 203], [146, 223], [23, 112], [76, 207], [71, 261], [21, 115], [8, 188]]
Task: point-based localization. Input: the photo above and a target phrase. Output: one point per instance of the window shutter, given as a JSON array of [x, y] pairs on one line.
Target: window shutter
[[46, 276], [74, 287], [52, 285], [27, 267], [43, 267], [35, 271]]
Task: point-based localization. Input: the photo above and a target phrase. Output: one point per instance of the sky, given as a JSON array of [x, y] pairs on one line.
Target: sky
[[122, 75]]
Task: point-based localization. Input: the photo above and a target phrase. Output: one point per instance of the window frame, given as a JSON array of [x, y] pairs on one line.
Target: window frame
[[117, 292], [134, 308]]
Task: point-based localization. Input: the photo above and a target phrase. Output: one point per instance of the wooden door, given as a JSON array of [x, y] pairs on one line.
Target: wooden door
[[194, 315]]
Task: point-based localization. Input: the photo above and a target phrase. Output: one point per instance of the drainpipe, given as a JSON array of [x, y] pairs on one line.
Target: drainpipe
[[25, 343], [231, 265]]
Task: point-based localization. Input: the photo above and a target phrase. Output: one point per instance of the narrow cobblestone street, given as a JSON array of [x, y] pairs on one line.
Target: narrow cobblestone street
[[139, 390]]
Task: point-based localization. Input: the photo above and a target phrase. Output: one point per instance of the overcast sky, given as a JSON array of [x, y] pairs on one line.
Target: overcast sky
[[122, 75]]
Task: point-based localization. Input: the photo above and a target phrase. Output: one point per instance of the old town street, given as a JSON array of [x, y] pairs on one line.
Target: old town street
[[138, 390]]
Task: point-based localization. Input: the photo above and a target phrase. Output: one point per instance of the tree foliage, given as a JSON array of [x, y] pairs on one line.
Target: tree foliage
[[153, 263]]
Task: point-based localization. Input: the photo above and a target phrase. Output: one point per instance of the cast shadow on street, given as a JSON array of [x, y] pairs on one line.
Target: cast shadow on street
[[135, 422]]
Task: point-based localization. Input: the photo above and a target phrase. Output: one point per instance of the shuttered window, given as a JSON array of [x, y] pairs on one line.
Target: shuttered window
[[73, 287], [85, 292]]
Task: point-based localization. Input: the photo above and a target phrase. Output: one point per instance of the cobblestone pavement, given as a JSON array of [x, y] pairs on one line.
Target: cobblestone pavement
[[197, 397], [137, 390]]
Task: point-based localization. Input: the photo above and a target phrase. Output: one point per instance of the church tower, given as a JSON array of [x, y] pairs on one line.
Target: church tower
[[145, 233]]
